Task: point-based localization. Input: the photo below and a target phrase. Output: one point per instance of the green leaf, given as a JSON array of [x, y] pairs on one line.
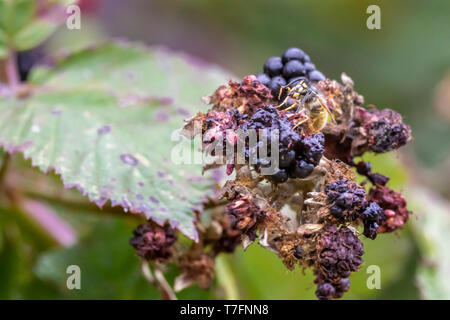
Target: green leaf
[[3, 39], [104, 121], [15, 14], [3, 52], [33, 34], [431, 224]]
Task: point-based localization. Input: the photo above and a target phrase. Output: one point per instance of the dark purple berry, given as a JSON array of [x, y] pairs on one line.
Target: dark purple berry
[[298, 252], [372, 212], [348, 196], [293, 68], [280, 177], [378, 179], [345, 200], [293, 54], [344, 284], [336, 211], [316, 75], [313, 148], [263, 78], [363, 168], [275, 85], [309, 67], [325, 291], [371, 230], [287, 159], [273, 66], [302, 169]]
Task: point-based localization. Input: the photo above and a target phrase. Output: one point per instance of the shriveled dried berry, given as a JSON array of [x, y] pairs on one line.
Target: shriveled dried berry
[[245, 214], [395, 213], [153, 242], [379, 130], [325, 291], [339, 254], [347, 199], [198, 267], [230, 237]]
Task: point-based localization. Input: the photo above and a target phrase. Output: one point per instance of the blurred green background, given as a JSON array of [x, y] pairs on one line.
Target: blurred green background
[[404, 66]]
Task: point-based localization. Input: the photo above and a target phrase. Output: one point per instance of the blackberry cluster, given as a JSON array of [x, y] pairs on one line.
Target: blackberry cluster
[[153, 242], [279, 71], [339, 254], [347, 199], [298, 154], [245, 215], [349, 203]]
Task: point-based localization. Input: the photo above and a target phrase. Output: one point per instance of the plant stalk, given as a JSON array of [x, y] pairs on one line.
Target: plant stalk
[[11, 71], [226, 278]]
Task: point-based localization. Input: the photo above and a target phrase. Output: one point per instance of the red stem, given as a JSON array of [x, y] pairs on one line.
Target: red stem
[[11, 71]]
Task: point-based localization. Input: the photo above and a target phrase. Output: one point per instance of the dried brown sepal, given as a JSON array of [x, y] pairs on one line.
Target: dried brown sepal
[[246, 97], [229, 238], [246, 215], [198, 267]]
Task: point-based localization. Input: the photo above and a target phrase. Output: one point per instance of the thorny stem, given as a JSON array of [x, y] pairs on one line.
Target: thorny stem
[[158, 280]]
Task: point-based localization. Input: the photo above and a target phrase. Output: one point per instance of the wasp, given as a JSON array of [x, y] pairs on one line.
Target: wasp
[[310, 105]]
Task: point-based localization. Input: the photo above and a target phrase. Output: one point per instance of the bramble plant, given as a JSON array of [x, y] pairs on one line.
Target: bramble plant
[[102, 117]]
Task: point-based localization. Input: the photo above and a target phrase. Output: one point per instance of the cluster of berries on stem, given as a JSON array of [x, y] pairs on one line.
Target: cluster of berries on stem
[[314, 176]]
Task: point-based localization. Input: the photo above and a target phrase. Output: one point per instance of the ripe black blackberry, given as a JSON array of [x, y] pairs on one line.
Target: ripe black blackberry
[[279, 71], [298, 154], [273, 66]]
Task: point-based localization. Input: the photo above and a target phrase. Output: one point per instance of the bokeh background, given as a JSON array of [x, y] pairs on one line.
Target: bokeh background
[[404, 66]]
